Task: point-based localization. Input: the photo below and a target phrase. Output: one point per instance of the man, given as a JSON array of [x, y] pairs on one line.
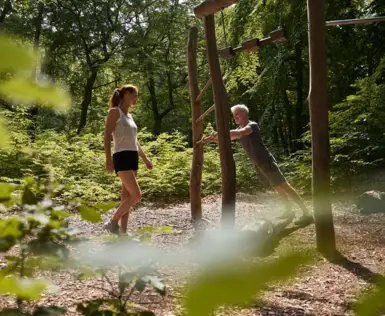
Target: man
[[251, 140]]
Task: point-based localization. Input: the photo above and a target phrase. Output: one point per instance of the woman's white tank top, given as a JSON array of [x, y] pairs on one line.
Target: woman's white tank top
[[125, 133]]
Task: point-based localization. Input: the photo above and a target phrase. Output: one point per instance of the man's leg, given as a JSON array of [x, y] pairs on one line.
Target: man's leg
[[268, 179], [286, 202], [289, 190]]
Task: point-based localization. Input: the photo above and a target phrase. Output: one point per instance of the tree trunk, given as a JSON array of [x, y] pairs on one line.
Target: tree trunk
[[285, 145], [325, 235], [6, 9], [289, 121], [34, 109], [222, 122], [36, 39], [158, 117], [197, 128], [87, 96], [299, 105], [154, 101]]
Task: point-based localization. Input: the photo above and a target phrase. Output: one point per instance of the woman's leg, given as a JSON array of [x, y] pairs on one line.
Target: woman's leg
[[130, 184], [124, 219]]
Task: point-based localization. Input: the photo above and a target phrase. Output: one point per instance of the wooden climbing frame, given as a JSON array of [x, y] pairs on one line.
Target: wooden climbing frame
[[206, 11]]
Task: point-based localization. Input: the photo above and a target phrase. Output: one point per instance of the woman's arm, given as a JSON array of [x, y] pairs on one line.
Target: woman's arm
[[141, 152], [144, 156], [112, 117]]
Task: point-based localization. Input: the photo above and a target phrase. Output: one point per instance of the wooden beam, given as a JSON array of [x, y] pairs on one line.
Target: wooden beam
[[201, 94], [253, 44], [356, 21], [210, 7], [209, 110], [318, 105], [223, 128], [197, 128]]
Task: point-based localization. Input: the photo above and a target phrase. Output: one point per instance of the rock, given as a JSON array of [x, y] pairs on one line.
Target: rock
[[371, 202]]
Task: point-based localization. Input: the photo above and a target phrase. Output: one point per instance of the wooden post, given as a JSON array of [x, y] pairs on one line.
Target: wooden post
[[197, 128], [319, 128], [222, 122], [210, 7]]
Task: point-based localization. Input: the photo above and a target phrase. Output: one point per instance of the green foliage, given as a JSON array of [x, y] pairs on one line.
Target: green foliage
[[90, 214], [14, 56], [372, 304], [25, 91], [237, 283]]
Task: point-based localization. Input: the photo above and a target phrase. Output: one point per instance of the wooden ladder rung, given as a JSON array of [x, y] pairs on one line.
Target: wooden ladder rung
[[210, 109], [200, 95]]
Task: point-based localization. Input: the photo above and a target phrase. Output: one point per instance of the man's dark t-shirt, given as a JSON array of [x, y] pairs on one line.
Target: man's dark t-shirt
[[254, 146]]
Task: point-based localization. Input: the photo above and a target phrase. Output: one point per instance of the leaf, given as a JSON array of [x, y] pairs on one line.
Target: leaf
[[61, 213], [5, 191], [22, 288], [105, 206], [89, 214], [12, 312], [237, 283], [25, 91], [13, 56], [140, 285], [125, 279], [4, 138], [28, 197], [49, 311], [151, 229], [372, 304], [92, 308], [157, 284]]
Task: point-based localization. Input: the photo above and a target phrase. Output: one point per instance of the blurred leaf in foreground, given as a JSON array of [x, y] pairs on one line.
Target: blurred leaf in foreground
[[14, 56], [238, 283], [26, 91]]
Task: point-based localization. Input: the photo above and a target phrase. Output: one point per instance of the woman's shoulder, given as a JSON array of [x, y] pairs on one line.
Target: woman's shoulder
[[114, 113]]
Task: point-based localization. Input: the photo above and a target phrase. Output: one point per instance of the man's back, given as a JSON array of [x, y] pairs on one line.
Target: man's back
[[254, 145]]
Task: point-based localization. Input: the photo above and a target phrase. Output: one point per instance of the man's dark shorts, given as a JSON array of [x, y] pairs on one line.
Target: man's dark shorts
[[270, 173]]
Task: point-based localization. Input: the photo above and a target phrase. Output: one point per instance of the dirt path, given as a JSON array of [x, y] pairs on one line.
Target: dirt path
[[323, 289]]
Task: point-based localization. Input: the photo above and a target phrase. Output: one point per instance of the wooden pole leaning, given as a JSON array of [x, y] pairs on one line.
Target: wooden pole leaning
[[318, 106], [197, 128], [223, 128]]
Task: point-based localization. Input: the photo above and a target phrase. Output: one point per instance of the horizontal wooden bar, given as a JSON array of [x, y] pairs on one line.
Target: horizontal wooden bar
[[210, 7], [355, 21], [201, 94], [210, 109], [247, 46]]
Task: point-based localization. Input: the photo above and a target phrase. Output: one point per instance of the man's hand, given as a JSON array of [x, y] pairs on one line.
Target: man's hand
[[210, 138]]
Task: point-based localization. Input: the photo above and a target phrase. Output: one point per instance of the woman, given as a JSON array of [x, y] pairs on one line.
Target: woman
[[127, 150]]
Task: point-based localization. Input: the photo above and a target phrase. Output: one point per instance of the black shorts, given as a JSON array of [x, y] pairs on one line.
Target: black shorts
[[125, 160], [270, 173]]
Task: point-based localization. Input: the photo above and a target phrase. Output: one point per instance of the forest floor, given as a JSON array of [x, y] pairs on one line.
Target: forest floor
[[324, 288]]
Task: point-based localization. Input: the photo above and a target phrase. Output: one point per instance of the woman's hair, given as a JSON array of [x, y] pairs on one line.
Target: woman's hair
[[118, 94]]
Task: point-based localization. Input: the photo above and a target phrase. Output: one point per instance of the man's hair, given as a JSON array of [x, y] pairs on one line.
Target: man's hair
[[240, 107]]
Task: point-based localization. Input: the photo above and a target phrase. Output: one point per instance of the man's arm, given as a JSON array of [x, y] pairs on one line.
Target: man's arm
[[234, 134]]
